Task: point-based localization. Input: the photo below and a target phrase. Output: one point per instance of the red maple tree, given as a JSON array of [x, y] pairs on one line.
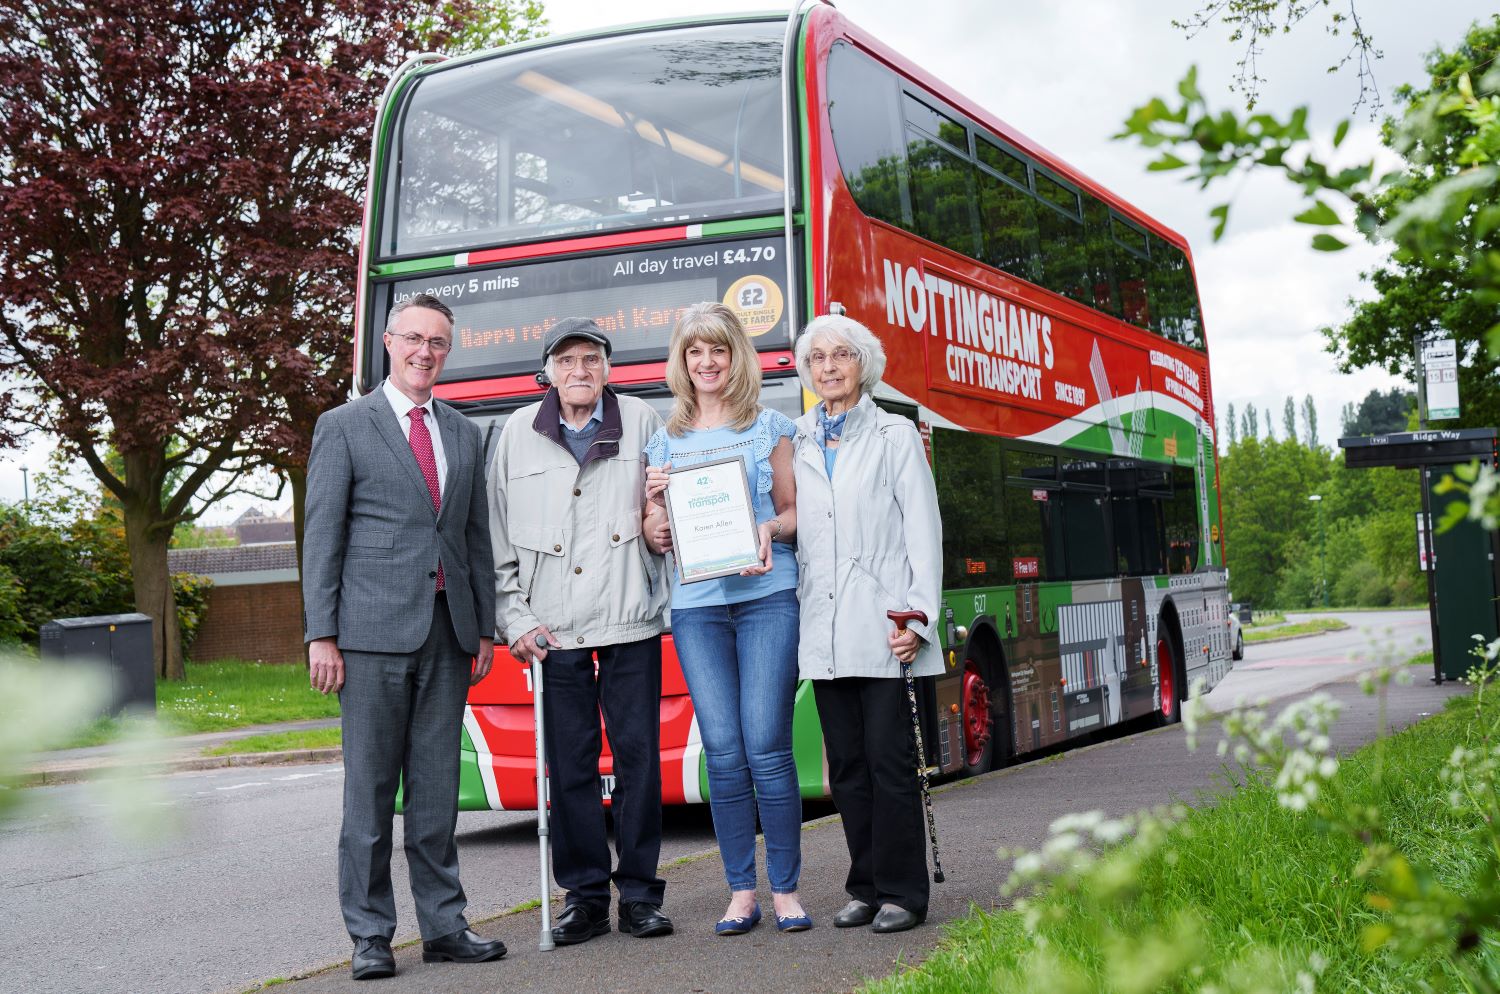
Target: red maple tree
[[180, 195]]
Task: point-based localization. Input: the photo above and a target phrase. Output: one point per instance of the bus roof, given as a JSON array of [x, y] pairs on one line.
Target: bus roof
[[902, 64]]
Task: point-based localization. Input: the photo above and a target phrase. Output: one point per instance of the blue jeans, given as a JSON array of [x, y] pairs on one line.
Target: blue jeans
[[740, 661]]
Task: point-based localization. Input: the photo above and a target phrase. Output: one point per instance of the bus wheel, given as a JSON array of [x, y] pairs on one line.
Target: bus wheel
[[977, 720], [1166, 675]]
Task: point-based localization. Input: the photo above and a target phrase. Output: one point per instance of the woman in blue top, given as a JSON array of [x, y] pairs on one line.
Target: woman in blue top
[[736, 636]]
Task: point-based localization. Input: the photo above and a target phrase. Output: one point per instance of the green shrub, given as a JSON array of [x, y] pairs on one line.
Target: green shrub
[[191, 593]]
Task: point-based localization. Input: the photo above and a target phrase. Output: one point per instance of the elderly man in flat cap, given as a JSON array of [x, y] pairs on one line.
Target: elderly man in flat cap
[[572, 571]]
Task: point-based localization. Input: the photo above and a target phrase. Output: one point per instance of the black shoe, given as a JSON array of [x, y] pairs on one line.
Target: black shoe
[[856, 914], [579, 923], [373, 959], [891, 918], [643, 920], [462, 946]]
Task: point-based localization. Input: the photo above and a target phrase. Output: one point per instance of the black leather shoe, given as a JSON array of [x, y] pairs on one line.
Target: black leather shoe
[[891, 918], [462, 946], [579, 923], [373, 959], [856, 914], [643, 920]]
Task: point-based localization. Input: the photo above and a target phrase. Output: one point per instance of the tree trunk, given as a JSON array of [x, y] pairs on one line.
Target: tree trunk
[[147, 538]]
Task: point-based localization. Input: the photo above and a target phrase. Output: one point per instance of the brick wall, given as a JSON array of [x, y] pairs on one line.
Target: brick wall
[[255, 621]]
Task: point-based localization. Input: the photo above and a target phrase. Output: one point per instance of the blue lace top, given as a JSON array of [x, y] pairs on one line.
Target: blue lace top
[[754, 445]]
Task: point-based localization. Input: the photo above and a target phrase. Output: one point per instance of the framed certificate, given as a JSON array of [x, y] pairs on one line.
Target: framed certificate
[[713, 520]]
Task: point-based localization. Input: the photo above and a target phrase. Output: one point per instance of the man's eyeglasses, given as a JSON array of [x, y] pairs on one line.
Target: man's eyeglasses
[[568, 362], [841, 357], [438, 345]]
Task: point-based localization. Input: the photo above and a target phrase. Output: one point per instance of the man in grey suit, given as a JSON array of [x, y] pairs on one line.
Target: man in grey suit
[[398, 599]]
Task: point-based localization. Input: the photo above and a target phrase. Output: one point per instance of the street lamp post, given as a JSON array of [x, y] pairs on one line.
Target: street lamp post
[[1322, 549], [25, 487]]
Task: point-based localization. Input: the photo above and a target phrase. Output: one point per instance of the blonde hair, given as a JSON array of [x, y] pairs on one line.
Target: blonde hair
[[713, 324]]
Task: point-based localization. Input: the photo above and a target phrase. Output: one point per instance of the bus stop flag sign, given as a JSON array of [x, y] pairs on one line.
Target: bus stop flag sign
[[1440, 360]]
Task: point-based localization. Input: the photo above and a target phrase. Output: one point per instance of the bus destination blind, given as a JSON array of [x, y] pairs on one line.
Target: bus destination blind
[[501, 314]]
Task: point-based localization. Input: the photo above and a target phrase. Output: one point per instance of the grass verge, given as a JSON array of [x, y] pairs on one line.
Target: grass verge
[[1264, 618], [1245, 888], [1421, 659], [224, 694], [312, 738], [1314, 626]]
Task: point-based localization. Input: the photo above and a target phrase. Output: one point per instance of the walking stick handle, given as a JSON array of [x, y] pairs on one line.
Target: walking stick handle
[[904, 618]]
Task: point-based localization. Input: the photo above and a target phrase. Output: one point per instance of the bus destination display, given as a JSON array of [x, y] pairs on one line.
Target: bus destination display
[[502, 314]]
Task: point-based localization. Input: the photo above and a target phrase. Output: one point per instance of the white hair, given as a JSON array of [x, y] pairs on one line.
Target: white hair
[[551, 370], [836, 330]]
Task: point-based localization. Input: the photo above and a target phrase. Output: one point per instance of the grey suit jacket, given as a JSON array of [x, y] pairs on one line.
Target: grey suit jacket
[[372, 541]]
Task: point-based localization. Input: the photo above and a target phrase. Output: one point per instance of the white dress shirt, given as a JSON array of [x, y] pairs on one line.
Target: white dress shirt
[[402, 405]]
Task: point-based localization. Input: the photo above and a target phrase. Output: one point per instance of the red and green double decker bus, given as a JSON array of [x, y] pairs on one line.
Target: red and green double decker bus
[[1044, 335]]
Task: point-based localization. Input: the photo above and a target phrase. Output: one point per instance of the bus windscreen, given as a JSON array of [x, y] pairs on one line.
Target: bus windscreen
[[636, 130]]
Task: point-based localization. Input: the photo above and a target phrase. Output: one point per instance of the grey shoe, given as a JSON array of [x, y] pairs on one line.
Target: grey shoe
[[891, 918], [856, 914]]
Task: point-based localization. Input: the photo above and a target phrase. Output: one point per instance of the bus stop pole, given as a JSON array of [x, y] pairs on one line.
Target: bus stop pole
[[1423, 477]]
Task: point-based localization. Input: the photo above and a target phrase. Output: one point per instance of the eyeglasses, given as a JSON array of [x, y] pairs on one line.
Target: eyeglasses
[[841, 357], [438, 345], [568, 362]]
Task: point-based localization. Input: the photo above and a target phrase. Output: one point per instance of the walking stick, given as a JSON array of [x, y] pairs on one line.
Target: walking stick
[[901, 618], [543, 832]]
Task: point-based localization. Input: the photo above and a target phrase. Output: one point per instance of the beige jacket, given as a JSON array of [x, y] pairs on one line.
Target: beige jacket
[[868, 541], [569, 552]]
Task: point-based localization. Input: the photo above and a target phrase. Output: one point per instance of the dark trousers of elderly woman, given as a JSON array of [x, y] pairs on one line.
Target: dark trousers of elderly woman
[[873, 776]]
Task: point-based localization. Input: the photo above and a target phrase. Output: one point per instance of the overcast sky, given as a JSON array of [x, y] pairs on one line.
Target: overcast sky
[[1067, 74]]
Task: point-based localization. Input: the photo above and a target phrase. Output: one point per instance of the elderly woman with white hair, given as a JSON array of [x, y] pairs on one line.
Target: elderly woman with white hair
[[871, 542]]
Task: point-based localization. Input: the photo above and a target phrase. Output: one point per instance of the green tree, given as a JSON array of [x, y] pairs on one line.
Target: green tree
[[1309, 422], [1380, 413]]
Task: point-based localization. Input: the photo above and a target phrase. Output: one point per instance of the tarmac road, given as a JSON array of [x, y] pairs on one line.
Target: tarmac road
[[235, 883], [246, 892]]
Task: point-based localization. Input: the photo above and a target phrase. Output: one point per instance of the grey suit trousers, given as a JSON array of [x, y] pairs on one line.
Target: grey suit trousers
[[402, 724]]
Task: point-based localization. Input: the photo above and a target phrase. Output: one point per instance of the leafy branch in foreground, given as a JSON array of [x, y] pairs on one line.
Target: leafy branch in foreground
[[1439, 211]]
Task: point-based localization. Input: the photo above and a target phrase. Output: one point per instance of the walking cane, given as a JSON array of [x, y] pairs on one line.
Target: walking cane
[[542, 830], [901, 618]]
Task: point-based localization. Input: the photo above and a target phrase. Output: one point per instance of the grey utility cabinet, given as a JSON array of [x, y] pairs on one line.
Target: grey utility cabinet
[[121, 642]]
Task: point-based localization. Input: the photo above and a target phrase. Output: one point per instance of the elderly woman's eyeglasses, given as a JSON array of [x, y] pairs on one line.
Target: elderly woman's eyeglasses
[[841, 357], [438, 345], [591, 361]]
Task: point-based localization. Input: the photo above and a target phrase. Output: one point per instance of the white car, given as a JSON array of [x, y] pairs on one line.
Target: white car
[[1236, 636]]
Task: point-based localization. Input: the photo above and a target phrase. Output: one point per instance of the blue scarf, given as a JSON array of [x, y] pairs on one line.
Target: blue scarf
[[829, 428]]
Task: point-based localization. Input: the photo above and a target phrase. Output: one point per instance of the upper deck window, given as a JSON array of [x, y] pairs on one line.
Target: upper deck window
[[650, 128]]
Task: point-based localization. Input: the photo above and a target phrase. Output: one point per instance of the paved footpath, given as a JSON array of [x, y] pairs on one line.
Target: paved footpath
[[1007, 808]]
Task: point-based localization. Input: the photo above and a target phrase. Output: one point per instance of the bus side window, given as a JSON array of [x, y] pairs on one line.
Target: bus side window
[[1183, 539], [1136, 492], [1007, 213], [970, 484], [942, 178], [1131, 266], [1174, 303], [866, 123], [1033, 517], [1064, 249], [1085, 517]]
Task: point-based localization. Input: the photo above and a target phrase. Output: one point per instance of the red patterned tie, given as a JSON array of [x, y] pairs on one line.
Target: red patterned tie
[[421, 447]]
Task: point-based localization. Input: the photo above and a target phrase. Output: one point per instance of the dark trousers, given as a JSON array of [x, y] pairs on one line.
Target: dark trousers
[[872, 774], [627, 690], [402, 717]]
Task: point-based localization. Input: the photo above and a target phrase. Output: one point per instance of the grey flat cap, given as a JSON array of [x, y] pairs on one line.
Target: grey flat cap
[[568, 328]]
